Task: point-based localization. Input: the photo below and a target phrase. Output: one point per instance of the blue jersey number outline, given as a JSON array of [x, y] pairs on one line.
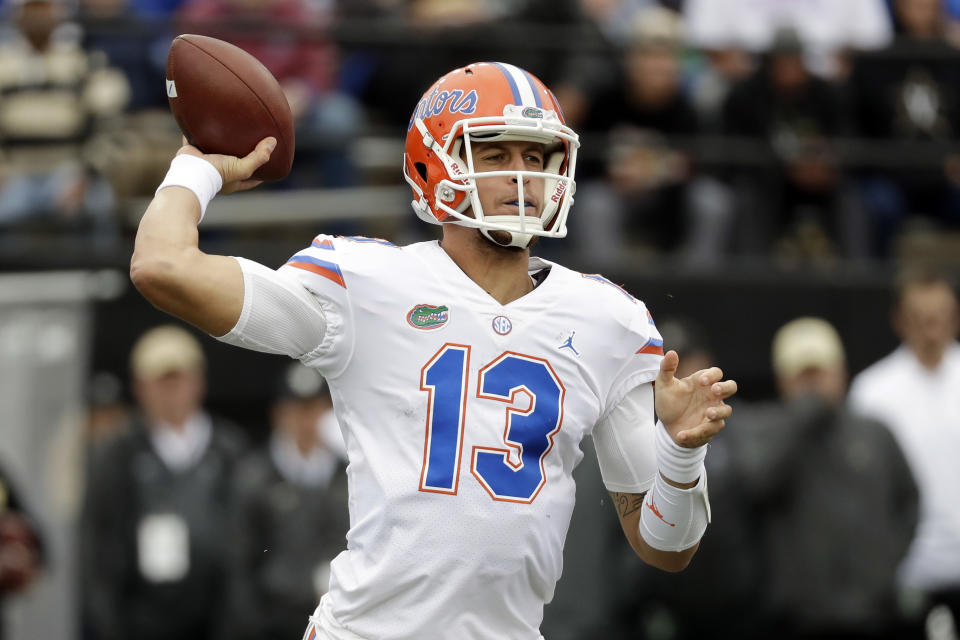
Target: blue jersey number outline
[[514, 473]]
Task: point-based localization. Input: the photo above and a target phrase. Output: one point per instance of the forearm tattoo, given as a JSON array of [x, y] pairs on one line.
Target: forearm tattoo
[[627, 503]]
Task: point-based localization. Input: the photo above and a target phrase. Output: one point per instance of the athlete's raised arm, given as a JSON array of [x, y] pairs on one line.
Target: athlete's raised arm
[[167, 266]]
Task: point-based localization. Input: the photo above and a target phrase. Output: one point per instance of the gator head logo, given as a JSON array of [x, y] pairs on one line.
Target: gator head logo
[[427, 316], [532, 112]]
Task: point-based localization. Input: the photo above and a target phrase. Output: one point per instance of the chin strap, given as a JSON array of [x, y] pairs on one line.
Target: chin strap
[[517, 239]]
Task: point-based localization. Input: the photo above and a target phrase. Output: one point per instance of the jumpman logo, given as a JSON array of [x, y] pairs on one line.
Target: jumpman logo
[[568, 344]]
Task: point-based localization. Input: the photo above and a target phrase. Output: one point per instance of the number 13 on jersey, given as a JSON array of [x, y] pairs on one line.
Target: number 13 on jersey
[[533, 395]]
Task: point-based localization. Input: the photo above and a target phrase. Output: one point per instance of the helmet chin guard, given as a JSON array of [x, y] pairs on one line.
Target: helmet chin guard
[[489, 102]]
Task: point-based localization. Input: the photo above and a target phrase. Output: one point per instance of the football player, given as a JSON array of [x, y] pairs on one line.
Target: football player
[[464, 372]]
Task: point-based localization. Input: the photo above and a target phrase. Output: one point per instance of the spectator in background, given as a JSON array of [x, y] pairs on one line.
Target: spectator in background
[[283, 34], [107, 411], [687, 337], [797, 203], [291, 516], [135, 36], [710, 74], [914, 389], [289, 38], [828, 27], [644, 199], [615, 18], [156, 514], [21, 549], [107, 416], [647, 92], [136, 41], [608, 25], [911, 94], [397, 75], [54, 95], [834, 496]]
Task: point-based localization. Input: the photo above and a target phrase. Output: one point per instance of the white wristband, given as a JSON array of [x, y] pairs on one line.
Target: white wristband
[[674, 519], [196, 174], [680, 464]]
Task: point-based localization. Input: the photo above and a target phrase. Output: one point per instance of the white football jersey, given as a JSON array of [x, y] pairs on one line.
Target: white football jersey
[[462, 420]]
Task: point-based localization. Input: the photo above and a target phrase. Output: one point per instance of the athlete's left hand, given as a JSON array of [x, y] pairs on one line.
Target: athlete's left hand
[[692, 408]]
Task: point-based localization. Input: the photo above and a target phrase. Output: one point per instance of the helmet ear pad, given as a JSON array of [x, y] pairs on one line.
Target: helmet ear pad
[[434, 172], [415, 172], [438, 171]]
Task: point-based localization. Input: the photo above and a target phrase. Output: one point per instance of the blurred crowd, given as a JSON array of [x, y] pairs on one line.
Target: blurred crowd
[[193, 527], [809, 131]]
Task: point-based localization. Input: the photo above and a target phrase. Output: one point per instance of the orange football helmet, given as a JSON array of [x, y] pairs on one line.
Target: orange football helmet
[[485, 102]]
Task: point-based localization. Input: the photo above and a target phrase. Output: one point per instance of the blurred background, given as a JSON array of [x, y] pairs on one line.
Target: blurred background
[[743, 163]]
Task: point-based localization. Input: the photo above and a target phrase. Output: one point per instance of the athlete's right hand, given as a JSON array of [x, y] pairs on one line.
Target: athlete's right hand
[[235, 171]]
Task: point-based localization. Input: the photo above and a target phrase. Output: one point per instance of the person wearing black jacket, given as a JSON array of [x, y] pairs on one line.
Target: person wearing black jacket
[[836, 501], [156, 516], [290, 516]]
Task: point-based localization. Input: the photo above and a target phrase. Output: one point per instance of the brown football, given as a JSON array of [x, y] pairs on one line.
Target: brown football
[[225, 101]]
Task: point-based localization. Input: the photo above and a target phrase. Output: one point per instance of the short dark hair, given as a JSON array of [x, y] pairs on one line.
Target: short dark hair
[[684, 335], [914, 276]]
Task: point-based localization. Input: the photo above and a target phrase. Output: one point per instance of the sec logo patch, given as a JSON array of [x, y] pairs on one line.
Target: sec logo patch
[[502, 325]]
